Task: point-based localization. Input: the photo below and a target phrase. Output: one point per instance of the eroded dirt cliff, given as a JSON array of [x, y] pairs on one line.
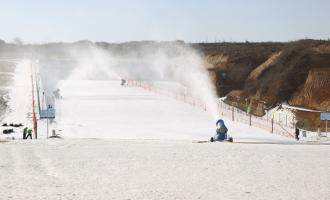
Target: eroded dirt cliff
[[268, 74]]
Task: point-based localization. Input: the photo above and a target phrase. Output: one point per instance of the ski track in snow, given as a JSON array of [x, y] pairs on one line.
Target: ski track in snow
[[136, 169]]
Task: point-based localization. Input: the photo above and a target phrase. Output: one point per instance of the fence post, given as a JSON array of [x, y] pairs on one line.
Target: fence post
[[326, 127], [250, 118], [279, 118], [232, 113], [286, 119], [272, 125]]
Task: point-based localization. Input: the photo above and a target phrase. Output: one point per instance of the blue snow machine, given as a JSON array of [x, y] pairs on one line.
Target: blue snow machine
[[221, 132]]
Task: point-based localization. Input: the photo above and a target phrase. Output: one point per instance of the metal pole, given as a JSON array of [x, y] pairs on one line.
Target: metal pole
[[279, 118], [47, 120], [246, 106], [233, 113], [43, 100], [286, 119], [326, 128], [37, 87], [250, 119]]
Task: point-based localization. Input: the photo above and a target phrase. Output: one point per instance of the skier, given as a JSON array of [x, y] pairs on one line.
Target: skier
[[57, 94], [123, 82]]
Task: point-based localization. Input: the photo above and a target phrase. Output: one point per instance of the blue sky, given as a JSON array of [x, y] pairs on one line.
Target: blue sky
[[37, 21]]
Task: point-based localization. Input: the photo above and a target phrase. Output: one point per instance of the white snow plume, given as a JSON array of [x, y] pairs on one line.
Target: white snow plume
[[91, 63], [151, 61], [185, 65]]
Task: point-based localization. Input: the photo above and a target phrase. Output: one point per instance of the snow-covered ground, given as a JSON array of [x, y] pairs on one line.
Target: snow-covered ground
[[19, 100], [148, 169], [104, 109], [128, 143]]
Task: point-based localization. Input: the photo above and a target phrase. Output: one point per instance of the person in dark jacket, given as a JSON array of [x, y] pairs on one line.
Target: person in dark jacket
[[29, 135], [123, 82], [297, 134], [57, 94], [25, 132]]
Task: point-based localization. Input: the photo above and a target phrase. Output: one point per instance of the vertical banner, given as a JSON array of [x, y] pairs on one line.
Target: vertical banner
[[33, 104]]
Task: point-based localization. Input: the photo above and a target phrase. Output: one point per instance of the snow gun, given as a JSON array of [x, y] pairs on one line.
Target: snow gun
[[221, 132]]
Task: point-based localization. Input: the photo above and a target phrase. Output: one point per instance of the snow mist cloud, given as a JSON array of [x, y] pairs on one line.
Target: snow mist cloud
[[147, 61]]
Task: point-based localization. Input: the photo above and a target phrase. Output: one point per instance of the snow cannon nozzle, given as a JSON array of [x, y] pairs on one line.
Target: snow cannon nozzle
[[220, 123]]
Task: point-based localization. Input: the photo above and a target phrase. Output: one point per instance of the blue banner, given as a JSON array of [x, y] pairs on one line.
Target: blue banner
[[325, 116]]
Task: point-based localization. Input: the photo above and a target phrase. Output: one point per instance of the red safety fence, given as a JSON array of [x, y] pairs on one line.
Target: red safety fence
[[274, 124]]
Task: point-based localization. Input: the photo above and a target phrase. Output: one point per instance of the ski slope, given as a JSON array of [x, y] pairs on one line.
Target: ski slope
[[90, 169], [128, 143], [104, 109]]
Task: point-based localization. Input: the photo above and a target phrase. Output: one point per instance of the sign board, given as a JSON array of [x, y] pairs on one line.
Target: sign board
[[50, 113], [325, 116], [248, 110]]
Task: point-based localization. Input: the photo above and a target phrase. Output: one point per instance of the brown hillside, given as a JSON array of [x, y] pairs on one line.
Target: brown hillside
[[296, 72], [233, 62], [261, 74]]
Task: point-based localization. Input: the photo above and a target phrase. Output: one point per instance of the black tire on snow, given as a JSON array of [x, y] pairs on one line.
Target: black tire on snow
[[212, 140], [231, 139]]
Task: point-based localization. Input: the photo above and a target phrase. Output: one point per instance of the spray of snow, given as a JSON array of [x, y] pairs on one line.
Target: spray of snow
[[188, 68], [177, 62], [91, 63]]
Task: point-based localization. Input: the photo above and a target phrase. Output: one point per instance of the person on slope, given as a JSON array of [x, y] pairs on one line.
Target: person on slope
[[123, 82], [57, 94], [297, 133], [221, 133], [29, 134], [25, 130]]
